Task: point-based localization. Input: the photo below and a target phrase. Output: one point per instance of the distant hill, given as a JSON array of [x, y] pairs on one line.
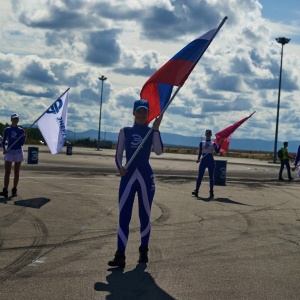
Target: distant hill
[[171, 139], [177, 140]]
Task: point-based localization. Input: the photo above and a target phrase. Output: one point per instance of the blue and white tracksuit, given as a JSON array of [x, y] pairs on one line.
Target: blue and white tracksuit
[[206, 149], [297, 160], [139, 179], [15, 136], [297, 157]]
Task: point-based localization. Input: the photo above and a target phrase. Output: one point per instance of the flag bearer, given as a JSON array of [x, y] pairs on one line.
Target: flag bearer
[[296, 161], [13, 153], [138, 178], [206, 150]]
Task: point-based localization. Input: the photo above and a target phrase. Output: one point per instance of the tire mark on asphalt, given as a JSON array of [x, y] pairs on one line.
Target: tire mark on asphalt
[[66, 242], [12, 218], [251, 230], [272, 227], [31, 252], [165, 213]]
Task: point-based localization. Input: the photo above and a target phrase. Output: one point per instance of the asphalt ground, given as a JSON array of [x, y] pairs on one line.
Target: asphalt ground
[[58, 234]]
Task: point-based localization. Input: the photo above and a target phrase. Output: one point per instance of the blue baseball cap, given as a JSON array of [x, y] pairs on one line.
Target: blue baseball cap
[[140, 104], [208, 131], [14, 116]]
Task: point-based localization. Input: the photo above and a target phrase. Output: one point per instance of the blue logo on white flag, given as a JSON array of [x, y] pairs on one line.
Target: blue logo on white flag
[[53, 124], [55, 107], [62, 127]]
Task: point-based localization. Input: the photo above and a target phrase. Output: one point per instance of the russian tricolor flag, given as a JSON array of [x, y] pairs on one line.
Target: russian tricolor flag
[[158, 88]]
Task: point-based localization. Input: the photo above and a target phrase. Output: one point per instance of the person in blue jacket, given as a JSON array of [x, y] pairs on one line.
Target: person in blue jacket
[[13, 153], [206, 150], [137, 179]]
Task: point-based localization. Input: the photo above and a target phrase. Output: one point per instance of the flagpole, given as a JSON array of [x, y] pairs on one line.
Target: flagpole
[[173, 96], [37, 119], [169, 102], [150, 131], [213, 37], [49, 107]]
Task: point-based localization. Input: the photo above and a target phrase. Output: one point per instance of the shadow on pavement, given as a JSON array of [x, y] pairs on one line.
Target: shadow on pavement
[[227, 200], [134, 284], [33, 203], [4, 200], [223, 200]]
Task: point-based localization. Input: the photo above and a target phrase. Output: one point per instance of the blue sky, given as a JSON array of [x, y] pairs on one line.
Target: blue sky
[[48, 46], [283, 12], [280, 11]]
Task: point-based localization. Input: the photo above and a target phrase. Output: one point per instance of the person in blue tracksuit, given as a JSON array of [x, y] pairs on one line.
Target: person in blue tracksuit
[[206, 150], [15, 137], [296, 161], [137, 179]]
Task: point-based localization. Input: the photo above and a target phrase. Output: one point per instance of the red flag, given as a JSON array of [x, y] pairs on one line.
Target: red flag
[[225, 144], [227, 132]]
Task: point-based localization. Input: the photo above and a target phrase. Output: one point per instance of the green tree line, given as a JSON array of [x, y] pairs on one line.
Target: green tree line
[[33, 137]]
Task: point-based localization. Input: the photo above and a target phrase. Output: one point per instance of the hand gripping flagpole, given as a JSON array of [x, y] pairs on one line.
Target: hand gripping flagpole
[[37, 119], [172, 98], [150, 131]]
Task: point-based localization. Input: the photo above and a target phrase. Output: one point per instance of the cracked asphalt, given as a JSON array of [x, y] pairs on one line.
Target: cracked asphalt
[[57, 235]]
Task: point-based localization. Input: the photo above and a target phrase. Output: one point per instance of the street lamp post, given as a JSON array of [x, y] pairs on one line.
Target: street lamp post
[[282, 41], [102, 78]]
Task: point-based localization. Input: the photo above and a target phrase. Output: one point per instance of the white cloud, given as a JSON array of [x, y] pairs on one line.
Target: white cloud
[[48, 46]]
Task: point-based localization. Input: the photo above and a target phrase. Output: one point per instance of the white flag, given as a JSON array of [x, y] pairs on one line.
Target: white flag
[[53, 124]]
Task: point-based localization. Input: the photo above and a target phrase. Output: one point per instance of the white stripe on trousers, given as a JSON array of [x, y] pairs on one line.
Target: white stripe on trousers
[[135, 176]]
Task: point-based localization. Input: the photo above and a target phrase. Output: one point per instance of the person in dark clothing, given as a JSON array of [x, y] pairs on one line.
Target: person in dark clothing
[[206, 159], [285, 161], [13, 153], [137, 179]]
